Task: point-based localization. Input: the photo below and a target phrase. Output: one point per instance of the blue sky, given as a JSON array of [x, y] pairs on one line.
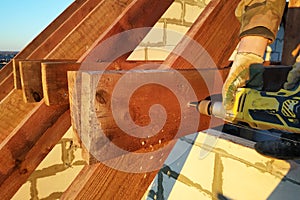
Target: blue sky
[[22, 20]]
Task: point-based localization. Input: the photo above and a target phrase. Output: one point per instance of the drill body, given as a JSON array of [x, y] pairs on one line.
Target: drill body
[[260, 109]]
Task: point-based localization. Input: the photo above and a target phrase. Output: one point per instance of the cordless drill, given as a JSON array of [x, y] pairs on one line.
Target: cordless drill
[[259, 109]]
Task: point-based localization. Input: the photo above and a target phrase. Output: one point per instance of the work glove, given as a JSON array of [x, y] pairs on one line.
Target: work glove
[[238, 75], [293, 77]]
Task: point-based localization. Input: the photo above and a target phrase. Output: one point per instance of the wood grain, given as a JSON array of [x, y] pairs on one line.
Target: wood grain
[[17, 143], [6, 86], [41, 147], [31, 80], [82, 37], [55, 81], [216, 30], [13, 111]]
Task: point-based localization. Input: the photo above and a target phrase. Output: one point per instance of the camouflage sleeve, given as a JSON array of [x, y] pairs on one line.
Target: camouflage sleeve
[[260, 17]]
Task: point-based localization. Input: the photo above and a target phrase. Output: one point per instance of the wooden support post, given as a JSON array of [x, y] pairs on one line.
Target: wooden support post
[[27, 162], [291, 45]]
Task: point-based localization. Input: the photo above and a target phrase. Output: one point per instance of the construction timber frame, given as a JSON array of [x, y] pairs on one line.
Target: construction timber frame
[[41, 85]]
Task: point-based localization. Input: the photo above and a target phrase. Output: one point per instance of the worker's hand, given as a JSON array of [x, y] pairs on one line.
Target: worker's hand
[[237, 77], [293, 77]]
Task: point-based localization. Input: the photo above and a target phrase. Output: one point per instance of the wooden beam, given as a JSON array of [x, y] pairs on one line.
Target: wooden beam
[[35, 155], [291, 44], [216, 30], [100, 181], [80, 38], [17, 143], [6, 86], [118, 17], [13, 111], [6, 71], [92, 97], [55, 81]]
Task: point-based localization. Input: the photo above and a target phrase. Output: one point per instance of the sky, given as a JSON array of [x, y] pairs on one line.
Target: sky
[[22, 20]]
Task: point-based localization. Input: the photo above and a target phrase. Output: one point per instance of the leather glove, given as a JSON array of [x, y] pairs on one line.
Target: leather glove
[[293, 77], [237, 77]]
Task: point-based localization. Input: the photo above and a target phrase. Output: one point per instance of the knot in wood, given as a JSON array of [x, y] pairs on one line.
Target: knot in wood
[[102, 96]]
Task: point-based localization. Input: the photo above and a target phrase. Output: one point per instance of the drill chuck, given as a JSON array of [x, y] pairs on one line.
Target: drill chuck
[[208, 107]]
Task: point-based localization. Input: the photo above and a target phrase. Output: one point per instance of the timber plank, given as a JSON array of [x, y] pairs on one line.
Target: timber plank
[[17, 76], [34, 156], [31, 80], [117, 184], [54, 25], [54, 81], [17, 143]]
